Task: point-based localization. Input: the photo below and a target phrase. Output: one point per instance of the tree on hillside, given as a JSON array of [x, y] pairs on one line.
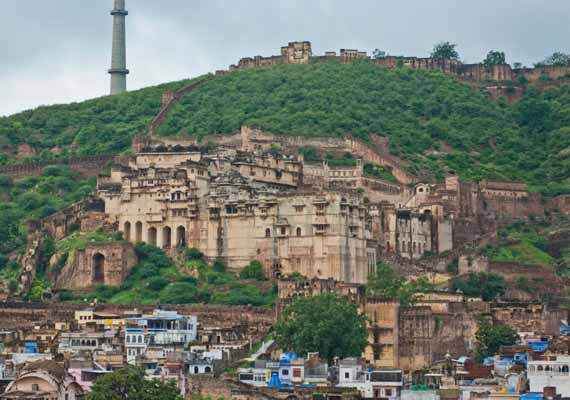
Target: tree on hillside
[[490, 338], [326, 323], [557, 59], [445, 50], [130, 383], [386, 282], [494, 58], [488, 286]]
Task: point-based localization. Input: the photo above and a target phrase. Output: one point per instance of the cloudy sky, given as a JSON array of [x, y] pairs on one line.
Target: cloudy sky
[[58, 51]]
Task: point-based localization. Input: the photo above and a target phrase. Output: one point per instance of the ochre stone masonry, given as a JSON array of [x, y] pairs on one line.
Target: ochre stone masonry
[[301, 53], [106, 264], [86, 166]]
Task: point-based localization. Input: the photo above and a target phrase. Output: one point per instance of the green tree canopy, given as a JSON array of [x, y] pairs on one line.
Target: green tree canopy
[[445, 50], [557, 59], [130, 383], [494, 58], [387, 282], [254, 270], [326, 323], [490, 338], [488, 286]]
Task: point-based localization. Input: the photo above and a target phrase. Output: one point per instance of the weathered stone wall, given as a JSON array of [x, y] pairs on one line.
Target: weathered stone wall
[[560, 204], [416, 336], [86, 166], [106, 264], [528, 317], [257, 320]]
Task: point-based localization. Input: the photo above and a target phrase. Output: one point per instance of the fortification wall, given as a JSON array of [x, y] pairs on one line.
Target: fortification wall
[[527, 317], [86, 166], [168, 101], [23, 314], [416, 334]]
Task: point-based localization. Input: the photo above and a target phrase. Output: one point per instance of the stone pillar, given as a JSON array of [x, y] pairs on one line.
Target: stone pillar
[[119, 69]]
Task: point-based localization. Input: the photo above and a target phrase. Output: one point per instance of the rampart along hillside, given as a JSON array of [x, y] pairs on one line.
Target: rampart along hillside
[[437, 122]]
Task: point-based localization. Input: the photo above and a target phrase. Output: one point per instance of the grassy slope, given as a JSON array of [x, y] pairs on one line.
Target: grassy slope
[[418, 110], [99, 126]]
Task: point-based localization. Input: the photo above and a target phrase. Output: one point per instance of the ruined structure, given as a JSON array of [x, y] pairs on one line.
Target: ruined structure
[[301, 53], [106, 264]]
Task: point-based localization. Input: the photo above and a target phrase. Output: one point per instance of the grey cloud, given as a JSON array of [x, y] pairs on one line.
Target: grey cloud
[[54, 51]]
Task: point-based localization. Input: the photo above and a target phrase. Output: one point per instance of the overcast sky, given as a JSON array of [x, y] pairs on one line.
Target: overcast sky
[[58, 51]]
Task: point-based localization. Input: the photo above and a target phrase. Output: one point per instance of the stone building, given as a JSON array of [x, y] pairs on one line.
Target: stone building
[[101, 263], [239, 207], [43, 380], [301, 53]]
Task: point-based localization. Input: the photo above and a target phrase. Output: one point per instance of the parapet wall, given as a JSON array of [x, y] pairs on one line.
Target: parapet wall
[[301, 53], [86, 166]]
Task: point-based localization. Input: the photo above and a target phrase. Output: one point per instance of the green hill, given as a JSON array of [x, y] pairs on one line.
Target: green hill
[[437, 122]]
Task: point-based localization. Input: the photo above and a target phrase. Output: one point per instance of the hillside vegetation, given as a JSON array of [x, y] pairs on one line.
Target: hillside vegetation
[[100, 126], [437, 122]]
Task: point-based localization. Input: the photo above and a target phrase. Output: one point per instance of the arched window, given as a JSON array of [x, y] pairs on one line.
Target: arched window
[[138, 231], [299, 231], [539, 368], [181, 236], [127, 231], [565, 369], [166, 237], [268, 233], [207, 370], [196, 370], [98, 269], [152, 236]]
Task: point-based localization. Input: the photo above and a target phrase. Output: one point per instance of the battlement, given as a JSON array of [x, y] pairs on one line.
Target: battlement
[[301, 53]]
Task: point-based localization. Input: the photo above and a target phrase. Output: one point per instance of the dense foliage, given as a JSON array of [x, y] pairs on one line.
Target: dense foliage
[[314, 324], [130, 383], [490, 338], [487, 286], [433, 120], [445, 51], [36, 197], [438, 123], [99, 126], [386, 282], [190, 280]]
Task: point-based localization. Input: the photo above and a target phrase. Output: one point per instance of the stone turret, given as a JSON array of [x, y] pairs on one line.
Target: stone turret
[[119, 69]]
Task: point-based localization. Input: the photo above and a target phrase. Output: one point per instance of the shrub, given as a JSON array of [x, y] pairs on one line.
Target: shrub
[[218, 266], [488, 286], [253, 271], [242, 295], [12, 285], [183, 293], [193, 254], [157, 283]]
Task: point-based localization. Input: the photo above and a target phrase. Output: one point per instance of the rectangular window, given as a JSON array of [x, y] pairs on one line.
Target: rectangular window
[[297, 372]]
